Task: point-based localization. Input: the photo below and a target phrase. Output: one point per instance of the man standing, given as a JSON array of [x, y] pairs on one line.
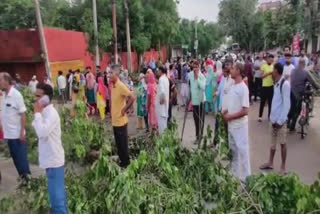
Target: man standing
[[90, 91], [236, 116], [119, 94], [288, 67], [33, 84], [279, 111], [62, 84], [197, 87], [226, 85], [162, 100], [249, 75], [257, 76], [298, 80], [13, 121], [267, 86], [287, 50], [51, 154]]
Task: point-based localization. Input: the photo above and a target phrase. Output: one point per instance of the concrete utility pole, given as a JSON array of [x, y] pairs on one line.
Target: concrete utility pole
[[95, 23], [196, 39], [129, 60], [115, 37], [42, 39]]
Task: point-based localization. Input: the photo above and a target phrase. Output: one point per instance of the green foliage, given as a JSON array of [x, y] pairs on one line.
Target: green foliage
[[164, 177], [16, 14], [255, 30], [208, 34], [284, 194], [235, 18], [221, 139]]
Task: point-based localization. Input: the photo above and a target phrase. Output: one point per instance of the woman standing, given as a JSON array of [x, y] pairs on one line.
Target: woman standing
[[91, 98], [211, 84], [101, 97], [142, 102], [151, 100]]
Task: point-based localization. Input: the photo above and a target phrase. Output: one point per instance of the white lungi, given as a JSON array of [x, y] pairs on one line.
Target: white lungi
[[239, 143], [162, 124], [184, 93]]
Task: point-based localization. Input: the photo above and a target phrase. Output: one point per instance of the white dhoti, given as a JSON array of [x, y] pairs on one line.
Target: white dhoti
[[162, 124], [239, 143], [184, 93]]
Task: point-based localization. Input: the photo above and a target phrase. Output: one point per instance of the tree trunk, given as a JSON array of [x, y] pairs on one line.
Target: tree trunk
[[95, 23], [129, 60], [42, 40], [115, 37]]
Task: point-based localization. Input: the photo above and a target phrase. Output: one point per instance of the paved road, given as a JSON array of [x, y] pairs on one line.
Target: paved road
[[303, 155]]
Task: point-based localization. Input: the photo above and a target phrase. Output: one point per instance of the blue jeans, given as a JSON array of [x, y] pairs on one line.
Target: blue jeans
[[18, 152], [57, 193]]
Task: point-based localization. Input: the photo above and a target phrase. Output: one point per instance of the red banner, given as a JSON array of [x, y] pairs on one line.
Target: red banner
[[296, 44]]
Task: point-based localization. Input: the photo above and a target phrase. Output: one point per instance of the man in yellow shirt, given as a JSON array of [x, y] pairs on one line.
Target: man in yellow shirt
[[119, 107], [267, 85]]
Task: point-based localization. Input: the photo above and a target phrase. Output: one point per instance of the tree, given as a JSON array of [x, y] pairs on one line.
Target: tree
[[235, 18], [208, 35], [16, 14]]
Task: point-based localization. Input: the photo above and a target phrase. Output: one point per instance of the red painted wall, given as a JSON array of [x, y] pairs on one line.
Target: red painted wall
[[24, 46], [25, 70], [19, 45]]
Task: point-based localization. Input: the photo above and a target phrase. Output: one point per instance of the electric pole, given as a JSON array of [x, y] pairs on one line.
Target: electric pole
[[42, 39], [129, 60], [196, 39], [115, 37], [95, 23]]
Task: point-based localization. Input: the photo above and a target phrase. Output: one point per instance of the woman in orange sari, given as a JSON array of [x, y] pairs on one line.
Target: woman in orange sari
[[101, 97], [151, 100]]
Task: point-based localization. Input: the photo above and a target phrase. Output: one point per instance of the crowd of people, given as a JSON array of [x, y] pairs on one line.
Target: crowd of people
[[203, 87]]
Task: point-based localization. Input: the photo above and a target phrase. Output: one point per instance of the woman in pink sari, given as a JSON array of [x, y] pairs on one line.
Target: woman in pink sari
[[151, 101]]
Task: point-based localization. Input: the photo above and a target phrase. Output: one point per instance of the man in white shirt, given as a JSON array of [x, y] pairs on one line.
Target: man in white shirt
[[13, 121], [62, 84], [288, 67], [278, 117], [219, 67], [228, 83], [162, 100], [51, 154], [237, 117], [257, 76], [33, 84]]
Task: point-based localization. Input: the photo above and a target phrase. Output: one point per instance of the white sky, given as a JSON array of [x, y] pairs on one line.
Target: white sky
[[203, 9]]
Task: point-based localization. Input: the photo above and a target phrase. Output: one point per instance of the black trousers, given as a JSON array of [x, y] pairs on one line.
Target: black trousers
[[257, 88], [169, 113], [295, 109], [198, 116], [250, 87], [121, 138], [266, 95], [146, 122]]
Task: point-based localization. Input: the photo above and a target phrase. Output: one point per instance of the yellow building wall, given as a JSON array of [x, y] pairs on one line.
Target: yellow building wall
[[64, 66]]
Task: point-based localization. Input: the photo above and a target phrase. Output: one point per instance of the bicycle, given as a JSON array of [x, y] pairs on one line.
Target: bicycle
[[306, 109]]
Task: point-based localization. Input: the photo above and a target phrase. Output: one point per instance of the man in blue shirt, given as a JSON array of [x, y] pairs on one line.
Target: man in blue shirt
[[197, 87], [282, 60], [278, 117]]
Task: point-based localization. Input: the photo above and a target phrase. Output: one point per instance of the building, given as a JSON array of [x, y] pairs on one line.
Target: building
[[270, 4], [312, 19], [21, 53]]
